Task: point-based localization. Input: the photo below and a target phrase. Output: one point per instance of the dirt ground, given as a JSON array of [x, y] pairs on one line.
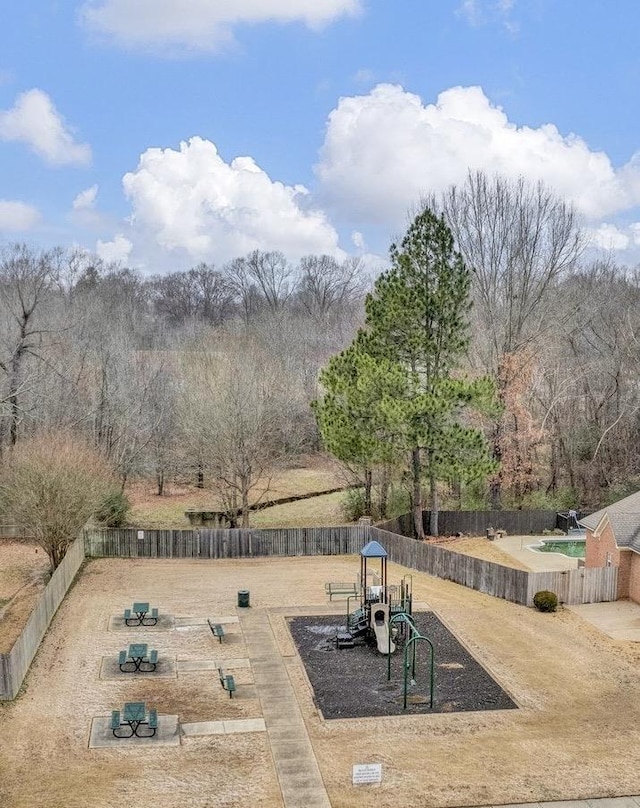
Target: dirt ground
[[572, 736], [24, 570]]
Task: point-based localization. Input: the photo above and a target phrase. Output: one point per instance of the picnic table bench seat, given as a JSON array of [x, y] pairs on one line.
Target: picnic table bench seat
[[340, 588], [227, 681], [115, 719], [153, 718], [153, 657], [122, 657], [217, 630]]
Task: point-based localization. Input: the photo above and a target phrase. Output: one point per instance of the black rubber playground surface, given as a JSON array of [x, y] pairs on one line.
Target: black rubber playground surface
[[352, 682]]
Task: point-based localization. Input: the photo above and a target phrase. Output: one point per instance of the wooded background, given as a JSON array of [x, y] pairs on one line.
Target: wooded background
[[208, 374]]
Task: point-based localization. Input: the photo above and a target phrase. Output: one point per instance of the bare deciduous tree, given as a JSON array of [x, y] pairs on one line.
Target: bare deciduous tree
[[519, 240], [326, 285], [26, 279], [52, 486]]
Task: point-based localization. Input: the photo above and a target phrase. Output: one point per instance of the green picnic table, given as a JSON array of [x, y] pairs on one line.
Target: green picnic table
[[134, 720], [138, 659], [137, 615]]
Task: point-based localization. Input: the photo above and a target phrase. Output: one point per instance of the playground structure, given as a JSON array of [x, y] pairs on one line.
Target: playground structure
[[383, 616], [378, 603]]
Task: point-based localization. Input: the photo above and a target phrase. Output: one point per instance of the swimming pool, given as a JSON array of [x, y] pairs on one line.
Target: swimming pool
[[573, 548]]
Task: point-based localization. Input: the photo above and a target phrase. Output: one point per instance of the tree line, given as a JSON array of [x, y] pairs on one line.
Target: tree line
[[517, 350]]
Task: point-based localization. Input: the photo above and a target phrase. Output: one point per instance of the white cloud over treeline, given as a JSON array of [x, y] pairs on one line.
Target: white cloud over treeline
[[384, 150], [382, 153], [191, 199]]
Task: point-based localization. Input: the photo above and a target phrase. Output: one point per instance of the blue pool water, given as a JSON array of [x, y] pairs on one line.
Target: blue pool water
[[574, 548]]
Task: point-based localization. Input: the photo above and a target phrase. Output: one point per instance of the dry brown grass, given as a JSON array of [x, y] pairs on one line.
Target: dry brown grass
[[572, 738], [311, 474]]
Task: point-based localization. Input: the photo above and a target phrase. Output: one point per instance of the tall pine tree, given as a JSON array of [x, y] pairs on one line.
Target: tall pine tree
[[416, 317], [357, 416], [398, 388]]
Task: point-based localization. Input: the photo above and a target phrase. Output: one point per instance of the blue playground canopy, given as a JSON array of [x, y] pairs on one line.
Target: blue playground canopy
[[373, 550]]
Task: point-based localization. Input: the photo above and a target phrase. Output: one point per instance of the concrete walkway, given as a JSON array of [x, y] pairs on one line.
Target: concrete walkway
[[619, 619], [296, 766], [518, 548], [607, 802]]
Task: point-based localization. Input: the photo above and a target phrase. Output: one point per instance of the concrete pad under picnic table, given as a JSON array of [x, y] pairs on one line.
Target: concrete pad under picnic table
[[167, 734], [166, 668], [166, 622]]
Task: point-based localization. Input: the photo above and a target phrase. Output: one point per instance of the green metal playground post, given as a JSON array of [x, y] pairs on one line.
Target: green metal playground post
[[412, 642], [402, 617]]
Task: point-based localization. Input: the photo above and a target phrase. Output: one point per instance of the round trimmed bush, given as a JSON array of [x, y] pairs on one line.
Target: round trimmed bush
[[545, 601]]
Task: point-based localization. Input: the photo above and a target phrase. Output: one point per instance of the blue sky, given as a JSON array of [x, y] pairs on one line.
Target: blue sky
[[162, 133]]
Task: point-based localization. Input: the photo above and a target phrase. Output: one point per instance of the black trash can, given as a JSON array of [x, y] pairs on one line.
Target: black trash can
[[243, 598]]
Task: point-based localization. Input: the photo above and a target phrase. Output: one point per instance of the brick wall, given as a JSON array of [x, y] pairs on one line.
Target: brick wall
[[602, 551]]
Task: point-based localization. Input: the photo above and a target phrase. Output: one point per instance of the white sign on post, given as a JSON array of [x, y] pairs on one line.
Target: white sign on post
[[366, 773], [141, 534]]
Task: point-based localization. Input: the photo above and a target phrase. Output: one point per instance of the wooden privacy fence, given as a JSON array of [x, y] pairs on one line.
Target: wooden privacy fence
[[475, 523], [583, 585], [226, 543], [15, 664]]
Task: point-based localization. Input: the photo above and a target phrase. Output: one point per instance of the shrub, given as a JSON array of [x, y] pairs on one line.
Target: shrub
[[353, 504], [114, 509], [545, 601]]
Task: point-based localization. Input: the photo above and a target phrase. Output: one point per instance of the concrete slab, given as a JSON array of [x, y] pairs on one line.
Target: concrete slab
[[615, 802], [518, 548], [230, 727], [287, 733], [166, 622], [311, 797], [101, 736], [212, 665], [188, 622], [194, 665], [245, 691], [166, 669], [233, 726], [200, 728], [566, 804], [234, 662], [520, 805], [619, 620]]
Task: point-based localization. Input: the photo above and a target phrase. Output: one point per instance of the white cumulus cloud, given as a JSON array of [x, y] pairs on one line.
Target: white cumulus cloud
[[86, 199], [203, 25], [609, 237], [115, 251], [34, 120], [384, 150], [193, 200], [17, 216]]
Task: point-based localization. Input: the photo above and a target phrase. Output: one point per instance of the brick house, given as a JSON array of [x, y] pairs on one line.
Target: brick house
[[613, 539]]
